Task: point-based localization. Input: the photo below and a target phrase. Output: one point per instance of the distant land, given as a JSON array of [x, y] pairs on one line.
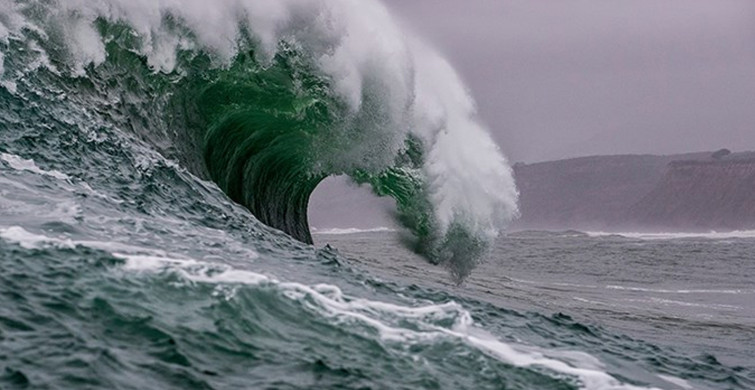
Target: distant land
[[685, 192]]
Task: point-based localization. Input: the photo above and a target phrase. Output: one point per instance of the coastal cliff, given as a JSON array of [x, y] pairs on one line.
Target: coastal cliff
[[687, 192]]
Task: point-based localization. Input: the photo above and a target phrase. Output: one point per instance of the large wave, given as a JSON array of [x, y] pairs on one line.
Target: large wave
[[269, 97]]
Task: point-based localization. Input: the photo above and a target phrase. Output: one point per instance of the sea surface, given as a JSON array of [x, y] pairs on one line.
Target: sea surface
[[686, 294], [170, 285]]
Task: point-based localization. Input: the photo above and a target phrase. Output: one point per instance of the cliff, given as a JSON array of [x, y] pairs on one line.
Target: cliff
[[700, 195], [689, 192]]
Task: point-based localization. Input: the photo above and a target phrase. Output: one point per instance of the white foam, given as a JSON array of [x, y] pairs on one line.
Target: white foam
[[28, 240], [673, 302], [678, 235], [681, 291], [386, 318], [21, 164], [590, 378], [10, 21], [150, 262], [636, 288], [344, 231], [469, 178]]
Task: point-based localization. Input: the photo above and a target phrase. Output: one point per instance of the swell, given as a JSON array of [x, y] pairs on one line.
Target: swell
[[269, 98]]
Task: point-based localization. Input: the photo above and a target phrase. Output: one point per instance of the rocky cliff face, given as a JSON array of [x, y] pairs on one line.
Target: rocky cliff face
[[678, 192], [700, 195]]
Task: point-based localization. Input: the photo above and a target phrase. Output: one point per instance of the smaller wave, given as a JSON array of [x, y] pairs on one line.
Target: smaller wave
[[545, 234], [68, 183], [634, 289], [344, 231], [21, 164], [673, 302], [430, 322], [678, 235], [30, 240], [683, 291]]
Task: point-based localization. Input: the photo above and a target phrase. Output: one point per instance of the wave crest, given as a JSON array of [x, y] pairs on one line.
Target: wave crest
[[267, 98]]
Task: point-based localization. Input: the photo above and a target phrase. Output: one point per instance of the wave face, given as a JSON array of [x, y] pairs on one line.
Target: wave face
[[268, 98]]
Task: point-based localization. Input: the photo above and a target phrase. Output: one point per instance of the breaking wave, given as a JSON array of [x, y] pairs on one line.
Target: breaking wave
[[268, 98]]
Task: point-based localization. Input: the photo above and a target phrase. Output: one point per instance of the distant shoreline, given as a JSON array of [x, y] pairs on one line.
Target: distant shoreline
[[695, 192]]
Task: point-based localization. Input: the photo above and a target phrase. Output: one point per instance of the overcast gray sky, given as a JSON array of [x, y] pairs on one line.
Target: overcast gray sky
[[564, 78]]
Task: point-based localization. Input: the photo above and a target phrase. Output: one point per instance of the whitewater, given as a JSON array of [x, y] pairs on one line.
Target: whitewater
[[156, 164]]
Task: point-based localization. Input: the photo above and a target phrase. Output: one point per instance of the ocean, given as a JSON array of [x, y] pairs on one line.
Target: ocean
[[156, 163], [634, 299]]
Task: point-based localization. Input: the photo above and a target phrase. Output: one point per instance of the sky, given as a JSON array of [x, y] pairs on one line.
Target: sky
[[565, 78], [556, 79]]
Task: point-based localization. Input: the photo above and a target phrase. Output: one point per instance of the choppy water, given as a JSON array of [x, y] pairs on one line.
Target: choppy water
[[672, 304], [160, 281]]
